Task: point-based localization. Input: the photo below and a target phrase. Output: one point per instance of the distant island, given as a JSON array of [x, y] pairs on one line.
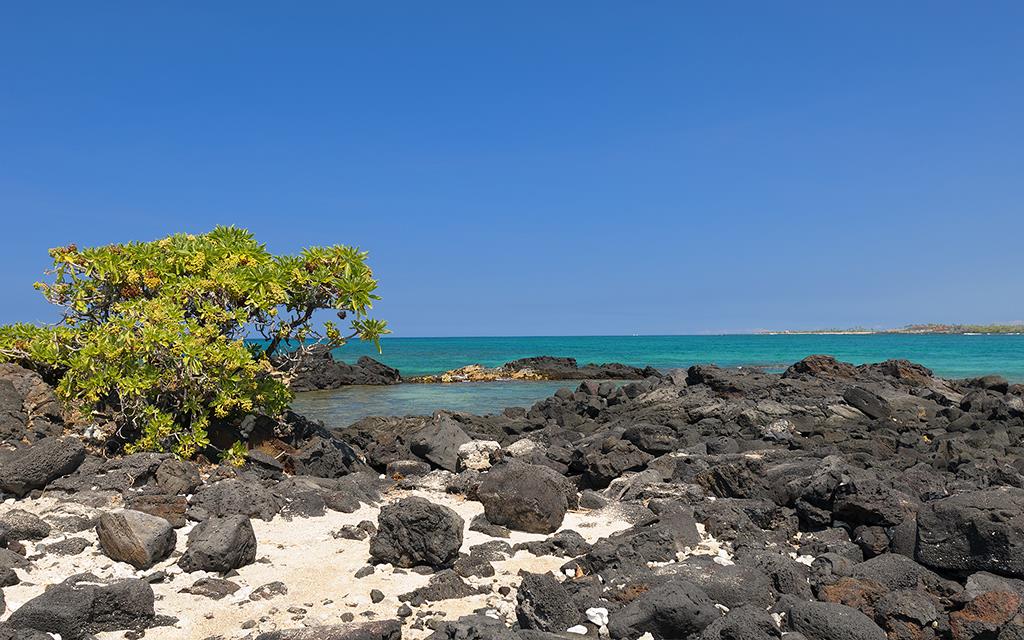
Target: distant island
[[1014, 328]]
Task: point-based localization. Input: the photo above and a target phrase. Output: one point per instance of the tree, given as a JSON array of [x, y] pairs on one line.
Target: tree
[[157, 335]]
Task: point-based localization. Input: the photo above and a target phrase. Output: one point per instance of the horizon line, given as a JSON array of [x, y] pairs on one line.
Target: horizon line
[[784, 332]]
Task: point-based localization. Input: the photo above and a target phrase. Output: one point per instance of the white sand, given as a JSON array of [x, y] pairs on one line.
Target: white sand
[[316, 568]]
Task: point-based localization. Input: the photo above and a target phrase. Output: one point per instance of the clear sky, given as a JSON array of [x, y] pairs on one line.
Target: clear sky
[[541, 167]]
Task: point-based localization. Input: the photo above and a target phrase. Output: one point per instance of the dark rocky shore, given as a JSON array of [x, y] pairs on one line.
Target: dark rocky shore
[[322, 371], [830, 502]]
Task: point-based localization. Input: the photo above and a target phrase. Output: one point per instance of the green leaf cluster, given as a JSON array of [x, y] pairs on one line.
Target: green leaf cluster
[[235, 455], [158, 334]]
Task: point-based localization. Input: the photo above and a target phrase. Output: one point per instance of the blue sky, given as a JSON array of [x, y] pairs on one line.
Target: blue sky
[[536, 167]]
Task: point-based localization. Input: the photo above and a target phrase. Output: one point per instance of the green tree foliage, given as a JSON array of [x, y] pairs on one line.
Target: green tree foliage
[[155, 334]]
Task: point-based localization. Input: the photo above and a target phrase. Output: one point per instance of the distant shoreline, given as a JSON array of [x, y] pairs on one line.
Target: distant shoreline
[[1012, 330], [915, 329], [820, 333], [888, 333]]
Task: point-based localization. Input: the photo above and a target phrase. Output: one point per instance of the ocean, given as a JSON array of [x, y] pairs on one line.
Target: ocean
[[952, 356]]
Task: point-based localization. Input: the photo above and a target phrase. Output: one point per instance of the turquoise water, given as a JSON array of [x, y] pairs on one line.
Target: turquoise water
[[952, 356], [340, 407]]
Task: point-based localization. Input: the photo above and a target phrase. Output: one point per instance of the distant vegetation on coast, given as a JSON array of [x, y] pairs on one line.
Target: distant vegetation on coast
[[929, 328]]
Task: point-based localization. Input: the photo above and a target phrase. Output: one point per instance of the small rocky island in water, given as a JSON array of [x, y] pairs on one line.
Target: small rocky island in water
[[829, 502], [323, 371]]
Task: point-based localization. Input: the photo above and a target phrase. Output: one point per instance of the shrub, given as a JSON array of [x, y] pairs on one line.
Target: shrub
[[154, 334]]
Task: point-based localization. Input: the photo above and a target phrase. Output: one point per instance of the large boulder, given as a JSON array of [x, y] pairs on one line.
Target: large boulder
[[674, 609], [29, 408], [869, 403], [907, 614], [872, 502], [896, 572], [38, 465], [544, 604], [11, 560], [233, 497], [786, 574], [177, 477], [626, 552], [604, 461], [655, 439], [985, 616], [821, 366], [904, 371], [555, 368], [169, 507], [415, 531], [478, 455], [974, 531], [321, 371], [38, 398], [79, 607], [828, 621], [13, 419], [727, 382], [731, 585], [138, 538], [325, 457], [219, 544], [742, 623], [438, 442], [119, 474], [524, 497], [18, 524]]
